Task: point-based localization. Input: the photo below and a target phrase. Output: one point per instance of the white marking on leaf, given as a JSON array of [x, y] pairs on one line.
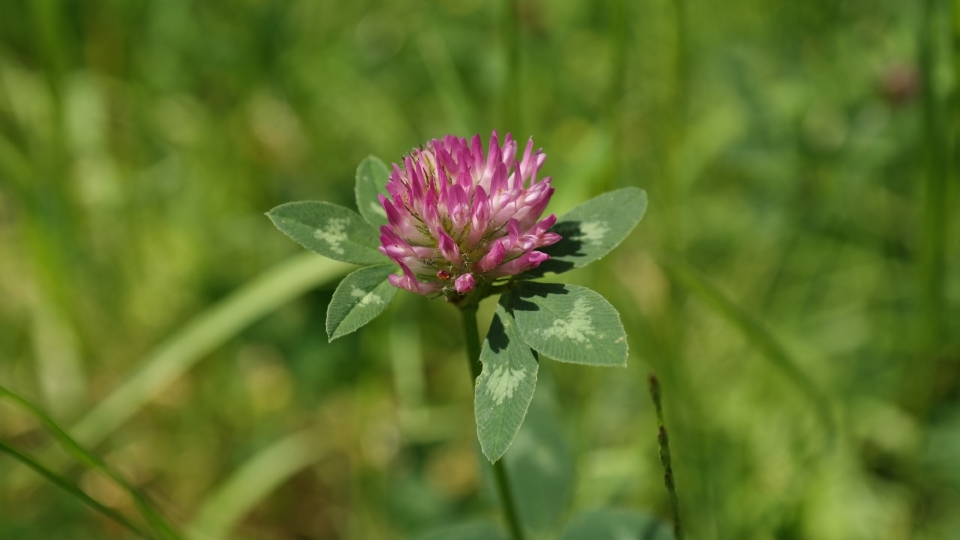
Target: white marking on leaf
[[334, 234], [578, 326], [366, 298], [593, 232], [503, 382]]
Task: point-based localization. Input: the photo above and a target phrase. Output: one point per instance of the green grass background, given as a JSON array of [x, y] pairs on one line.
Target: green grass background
[[794, 283]]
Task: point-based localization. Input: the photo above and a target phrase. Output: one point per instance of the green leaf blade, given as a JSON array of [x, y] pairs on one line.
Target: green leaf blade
[[541, 468], [758, 335], [360, 298], [90, 460], [467, 531], [593, 228], [570, 324], [506, 385], [330, 230], [72, 489], [616, 525], [372, 176]]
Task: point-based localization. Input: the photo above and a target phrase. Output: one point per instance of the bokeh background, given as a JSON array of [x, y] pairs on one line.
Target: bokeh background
[[794, 283]]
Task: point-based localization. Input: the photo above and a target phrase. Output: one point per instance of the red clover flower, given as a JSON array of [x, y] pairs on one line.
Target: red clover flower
[[458, 218], [465, 225]]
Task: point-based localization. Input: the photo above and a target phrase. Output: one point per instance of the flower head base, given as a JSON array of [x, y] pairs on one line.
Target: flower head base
[[458, 219]]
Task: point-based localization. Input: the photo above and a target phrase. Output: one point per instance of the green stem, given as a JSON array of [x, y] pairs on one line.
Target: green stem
[[500, 475], [665, 459], [506, 497]]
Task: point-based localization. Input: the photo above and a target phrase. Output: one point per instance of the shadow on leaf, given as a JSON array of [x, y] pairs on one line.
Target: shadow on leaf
[[570, 246], [530, 290], [497, 336]]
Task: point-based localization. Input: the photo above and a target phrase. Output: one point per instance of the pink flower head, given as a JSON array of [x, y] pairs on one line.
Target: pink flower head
[[458, 219]]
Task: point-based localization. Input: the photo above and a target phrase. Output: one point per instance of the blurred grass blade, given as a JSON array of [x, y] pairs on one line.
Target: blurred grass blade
[[447, 82], [933, 209], [465, 531], [14, 166], [406, 354], [58, 362], [615, 119], [511, 95], [253, 482], [202, 335], [92, 461], [616, 525], [65, 485], [541, 465], [756, 334]]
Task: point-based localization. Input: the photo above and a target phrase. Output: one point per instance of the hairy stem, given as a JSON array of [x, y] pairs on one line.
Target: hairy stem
[[665, 459], [500, 476]]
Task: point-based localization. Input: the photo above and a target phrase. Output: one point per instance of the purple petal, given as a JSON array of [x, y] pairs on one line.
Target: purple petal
[[544, 225], [509, 149], [492, 259], [527, 261], [481, 217], [548, 239], [448, 248], [513, 230], [476, 153]]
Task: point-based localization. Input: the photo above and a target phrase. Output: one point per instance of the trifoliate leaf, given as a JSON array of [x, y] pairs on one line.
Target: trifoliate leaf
[[593, 228], [360, 298], [616, 525], [327, 229], [570, 324], [505, 387], [372, 177]]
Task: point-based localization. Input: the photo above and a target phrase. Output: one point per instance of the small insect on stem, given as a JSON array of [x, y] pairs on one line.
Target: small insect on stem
[[664, 443]]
